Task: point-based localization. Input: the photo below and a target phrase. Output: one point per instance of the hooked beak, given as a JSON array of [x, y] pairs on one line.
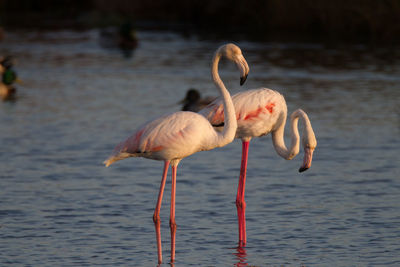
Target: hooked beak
[[308, 154], [243, 67], [243, 79]]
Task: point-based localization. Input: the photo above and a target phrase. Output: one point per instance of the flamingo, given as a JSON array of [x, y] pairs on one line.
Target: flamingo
[[260, 112], [175, 136]]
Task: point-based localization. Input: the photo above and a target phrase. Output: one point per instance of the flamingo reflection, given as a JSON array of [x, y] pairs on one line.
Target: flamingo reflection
[[241, 256]]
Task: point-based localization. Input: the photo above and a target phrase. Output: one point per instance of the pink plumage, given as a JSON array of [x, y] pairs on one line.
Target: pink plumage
[[175, 136], [257, 112], [172, 136], [260, 112]]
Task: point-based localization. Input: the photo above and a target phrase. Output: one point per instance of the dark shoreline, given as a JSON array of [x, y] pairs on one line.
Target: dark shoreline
[[368, 22]]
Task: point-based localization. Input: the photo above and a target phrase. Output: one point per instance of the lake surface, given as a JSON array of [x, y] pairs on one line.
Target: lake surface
[[59, 206]]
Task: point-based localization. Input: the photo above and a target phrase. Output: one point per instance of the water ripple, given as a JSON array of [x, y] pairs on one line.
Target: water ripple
[[60, 205]]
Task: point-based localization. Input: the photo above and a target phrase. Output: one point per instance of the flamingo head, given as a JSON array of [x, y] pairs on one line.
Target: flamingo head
[[309, 143], [233, 53]]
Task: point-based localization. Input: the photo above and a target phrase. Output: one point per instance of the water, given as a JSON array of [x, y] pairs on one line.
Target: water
[[60, 207]]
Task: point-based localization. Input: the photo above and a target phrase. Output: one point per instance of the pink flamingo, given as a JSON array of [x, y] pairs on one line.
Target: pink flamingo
[[259, 112], [173, 137]]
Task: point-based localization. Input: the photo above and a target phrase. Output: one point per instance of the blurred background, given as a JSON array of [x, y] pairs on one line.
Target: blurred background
[[78, 77], [359, 21]]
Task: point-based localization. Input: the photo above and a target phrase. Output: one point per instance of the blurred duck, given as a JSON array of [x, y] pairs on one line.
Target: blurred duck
[[122, 37], [194, 102], [8, 77], [127, 36]]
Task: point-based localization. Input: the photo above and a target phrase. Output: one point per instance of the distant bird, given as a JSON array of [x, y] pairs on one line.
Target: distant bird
[[260, 112], [127, 36], [122, 37], [8, 77], [175, 136], [194, 102]]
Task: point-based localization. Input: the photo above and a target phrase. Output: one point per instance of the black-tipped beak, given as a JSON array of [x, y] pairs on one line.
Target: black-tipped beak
[[243, 79], [302, 169], [308, 154]]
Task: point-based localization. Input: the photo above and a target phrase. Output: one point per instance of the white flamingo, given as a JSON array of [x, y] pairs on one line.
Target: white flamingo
[[259, 112], [172, 137]]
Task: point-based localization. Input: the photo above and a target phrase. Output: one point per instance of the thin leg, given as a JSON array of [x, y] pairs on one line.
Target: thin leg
[[156, 216], [240, 203], [172, 223]]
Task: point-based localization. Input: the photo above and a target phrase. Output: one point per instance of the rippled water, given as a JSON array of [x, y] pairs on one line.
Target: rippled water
[[60, 207]]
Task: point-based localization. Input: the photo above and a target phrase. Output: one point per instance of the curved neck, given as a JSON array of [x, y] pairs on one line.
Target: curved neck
[[278, 135], [230, 126]]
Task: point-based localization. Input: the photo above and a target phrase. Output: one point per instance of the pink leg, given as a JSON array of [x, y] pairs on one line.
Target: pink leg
[[156, 216], [240, 203], [172, 222]]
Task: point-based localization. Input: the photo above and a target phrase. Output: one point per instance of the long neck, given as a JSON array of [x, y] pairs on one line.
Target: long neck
[[230, 126], [278, 135]]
